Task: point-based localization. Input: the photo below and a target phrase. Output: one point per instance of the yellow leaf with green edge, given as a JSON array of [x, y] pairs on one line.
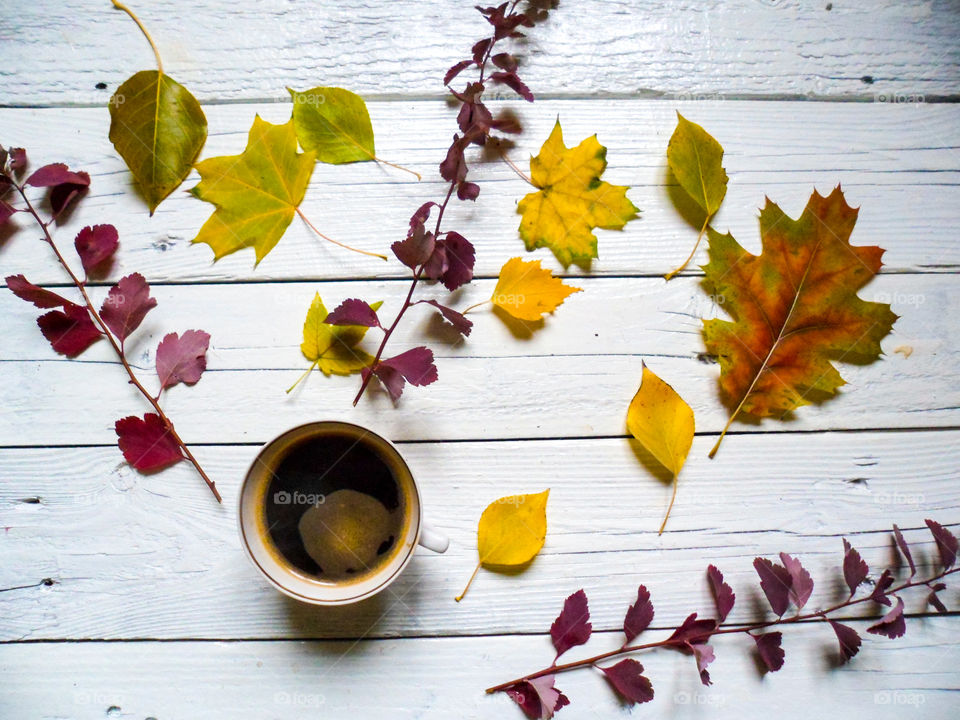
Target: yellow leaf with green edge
[[158, 128], [662, 422], [256, 192], [334, 123], [511, 532], [571, 200], [696, 160], [526, 291], [332, 348]]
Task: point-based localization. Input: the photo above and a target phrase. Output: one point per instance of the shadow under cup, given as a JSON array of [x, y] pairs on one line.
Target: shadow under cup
[[283, 483]]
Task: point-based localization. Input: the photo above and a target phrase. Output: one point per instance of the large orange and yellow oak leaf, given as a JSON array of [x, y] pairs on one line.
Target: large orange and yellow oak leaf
[[795, 308]]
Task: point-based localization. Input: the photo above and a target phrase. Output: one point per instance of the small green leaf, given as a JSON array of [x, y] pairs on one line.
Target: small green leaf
[[158, 128], [334, 123], [696, 158]]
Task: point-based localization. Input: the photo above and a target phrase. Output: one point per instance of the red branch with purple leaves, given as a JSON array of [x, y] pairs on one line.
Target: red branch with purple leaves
[[149, 443]]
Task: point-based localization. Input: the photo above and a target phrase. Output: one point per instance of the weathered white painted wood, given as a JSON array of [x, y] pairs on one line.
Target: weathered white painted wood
[[914, 676], [574, 377], [155, 557], [57, 53], [900, 164]]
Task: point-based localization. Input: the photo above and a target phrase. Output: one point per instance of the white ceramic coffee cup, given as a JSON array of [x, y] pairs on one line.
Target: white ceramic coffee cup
[[287, 578]]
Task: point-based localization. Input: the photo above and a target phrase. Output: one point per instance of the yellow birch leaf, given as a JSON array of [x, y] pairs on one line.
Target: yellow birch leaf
[[256, 193], [332, 348], [527, 291], [571, 200], [662, 422], [511, 532]]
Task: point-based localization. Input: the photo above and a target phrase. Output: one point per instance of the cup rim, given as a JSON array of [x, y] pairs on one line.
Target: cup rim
[[417, 518]]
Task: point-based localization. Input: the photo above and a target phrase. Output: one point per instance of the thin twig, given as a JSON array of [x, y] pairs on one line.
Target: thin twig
[[128, 11]]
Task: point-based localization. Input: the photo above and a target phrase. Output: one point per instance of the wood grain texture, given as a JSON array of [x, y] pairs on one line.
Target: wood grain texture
[[573, 377], [899, 163], [444, 678], [57, 53], [155, 557]]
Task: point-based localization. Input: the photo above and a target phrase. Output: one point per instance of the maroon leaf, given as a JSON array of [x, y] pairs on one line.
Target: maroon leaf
[[456, 70], [768, 647], [934, 599], [415, 249], [505, 61], [775, 582], [892, 625], [801, 584], [475, 121], [95, 245], [904, 550], [692, 632], [628, 680], [880, 588], [70, 331], [538, 698], [56, 174], [461, 322], [7, 210], [353, 312], [513, 81], [147, 443], [639, 615], [18, 159], [946, 543], [572, 627], [182, 358], [460, 256], [723, 596], [704, 656], [480, 49], [26, 290], [126, 305], [848, 638], [855, 569], [454, 167], [437, 264], [468, 191], [414, 366]]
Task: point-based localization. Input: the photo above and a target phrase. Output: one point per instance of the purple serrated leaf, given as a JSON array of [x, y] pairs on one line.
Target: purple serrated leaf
[[513, 81], [7, 210], [456, 70], [95, 245], [125, 306], [42, 298], [691, 632], [904, 550], [628, 680], [639, 615], [572, 626], [946, 543], [848, 638], [415, 249], [775, 582], [538, 698], [182, 358], [855, 569], [18, 159], [892, 625], [704, 656], [878, 594], [723, 596], [70, 331], [461, 257], [414, 366], [769, 649], [801, 584], [934, 599], [353, 312], [461, 322], [56, 174]]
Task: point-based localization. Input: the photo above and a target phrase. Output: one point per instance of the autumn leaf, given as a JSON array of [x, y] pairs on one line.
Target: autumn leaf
[[332, 348], [795, 309], [696, 160], [147, 443], [182, 358], [511, 532], [526, 291], [662, 422], [571, 200], [256, 193], [157, 126]]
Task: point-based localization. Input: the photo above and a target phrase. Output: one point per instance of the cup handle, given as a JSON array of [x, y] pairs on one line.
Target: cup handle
[[433, 539]]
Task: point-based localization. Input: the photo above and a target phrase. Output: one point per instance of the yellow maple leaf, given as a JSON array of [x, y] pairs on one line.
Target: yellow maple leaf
[[662, 422], [571, 200], [256, 192], [511, 532], [527, 291], [332, 348]]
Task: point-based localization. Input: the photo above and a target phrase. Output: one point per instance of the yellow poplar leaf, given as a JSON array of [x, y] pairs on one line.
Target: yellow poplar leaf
[[662, 422], [511, 532], [571, 200], [334, 123], [256, 192], [527, 291], [332, 348]]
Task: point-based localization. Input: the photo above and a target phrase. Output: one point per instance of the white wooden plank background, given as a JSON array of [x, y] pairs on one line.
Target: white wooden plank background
[[148, 587]]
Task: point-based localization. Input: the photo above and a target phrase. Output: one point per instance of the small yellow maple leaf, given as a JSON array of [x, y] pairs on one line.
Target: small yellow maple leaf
[[527, 291], [332, 348], [511, 532], [256, 193], [662, 422], [571, 200]]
